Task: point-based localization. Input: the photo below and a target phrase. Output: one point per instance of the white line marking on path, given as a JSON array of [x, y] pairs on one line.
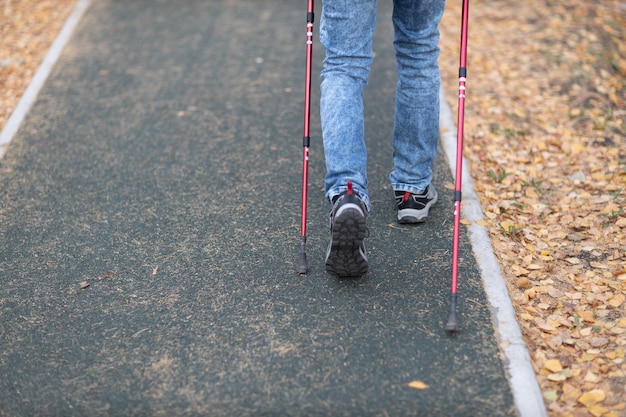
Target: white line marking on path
[[31, 93]]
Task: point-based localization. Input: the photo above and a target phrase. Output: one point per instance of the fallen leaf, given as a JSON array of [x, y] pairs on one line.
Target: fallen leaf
[[598, 265], [518, 270], [587, 316], [555, 342], [553, 365], [597, 342], [550, 395], [575, 237], [509, 227], [570, 392], [592, 397], [598, 411], [557, 377], [418, 385], [617, 301], [548, 328], [531, 292], [591, 377]]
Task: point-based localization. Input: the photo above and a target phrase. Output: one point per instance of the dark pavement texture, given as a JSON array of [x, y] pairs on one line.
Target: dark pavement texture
[[161, 167]]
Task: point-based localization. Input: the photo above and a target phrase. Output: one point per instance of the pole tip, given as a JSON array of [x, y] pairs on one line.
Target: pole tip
[[302, 267], [452, 324]]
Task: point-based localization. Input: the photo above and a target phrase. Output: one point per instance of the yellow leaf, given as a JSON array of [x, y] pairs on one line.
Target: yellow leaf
[[545, 327], [557, 377], [519, 271], [611, 208], [591, 377], [531, 292], [531, 193], [550, 395], [589, 399], [585, 332], [530, 247], [530, 309], [554, 323], [617, 301], [418, 385], [598, 410], [570, 392], [509, 226], [598, 176], [553, 365], [587, 316], [586, 357]]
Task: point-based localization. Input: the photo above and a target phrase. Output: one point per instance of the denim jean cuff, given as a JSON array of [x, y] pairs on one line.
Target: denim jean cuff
[[410, 188]]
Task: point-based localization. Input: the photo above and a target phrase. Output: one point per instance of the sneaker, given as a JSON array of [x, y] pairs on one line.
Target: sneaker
[[346, 251], [413, 208]]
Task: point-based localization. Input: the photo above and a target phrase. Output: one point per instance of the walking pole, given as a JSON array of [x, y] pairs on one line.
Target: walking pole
[[452, 324], [302, 266]]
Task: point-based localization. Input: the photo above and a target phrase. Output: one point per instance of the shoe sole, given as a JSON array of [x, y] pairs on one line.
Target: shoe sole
[[412, 216], [346, 256]]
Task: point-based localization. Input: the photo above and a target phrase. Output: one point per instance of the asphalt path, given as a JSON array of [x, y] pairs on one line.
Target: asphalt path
[[150, 223]]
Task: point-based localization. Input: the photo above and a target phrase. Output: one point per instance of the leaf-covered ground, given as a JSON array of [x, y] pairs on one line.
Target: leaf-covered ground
[[546, 144], [27, 29]]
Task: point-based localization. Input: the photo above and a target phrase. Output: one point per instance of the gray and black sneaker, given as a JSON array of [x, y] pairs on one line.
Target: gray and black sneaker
[[413, 208], [346, 251]]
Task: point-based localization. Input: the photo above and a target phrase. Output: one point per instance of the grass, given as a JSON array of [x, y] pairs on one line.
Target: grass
[[499, 176]]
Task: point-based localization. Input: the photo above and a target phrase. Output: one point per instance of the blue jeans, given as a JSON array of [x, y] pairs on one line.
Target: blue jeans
[[346, 31]]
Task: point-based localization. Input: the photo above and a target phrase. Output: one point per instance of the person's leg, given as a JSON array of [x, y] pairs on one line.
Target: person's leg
[[416, 124], [346, 31]]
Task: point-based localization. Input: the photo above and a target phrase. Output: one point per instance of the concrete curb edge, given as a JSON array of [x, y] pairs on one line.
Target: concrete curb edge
[[524, 385]]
